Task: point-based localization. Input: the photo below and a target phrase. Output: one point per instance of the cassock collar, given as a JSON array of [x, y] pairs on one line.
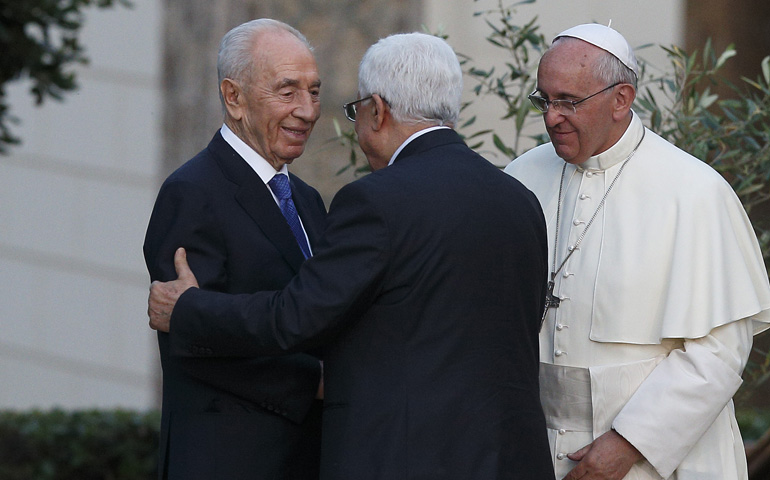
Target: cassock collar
[[618, 152]]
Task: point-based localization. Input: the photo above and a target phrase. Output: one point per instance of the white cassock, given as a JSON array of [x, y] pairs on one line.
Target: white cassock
[[659, 304]]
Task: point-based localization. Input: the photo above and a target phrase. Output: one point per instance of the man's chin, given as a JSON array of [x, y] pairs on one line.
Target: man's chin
[[564, 153], [292, 155]]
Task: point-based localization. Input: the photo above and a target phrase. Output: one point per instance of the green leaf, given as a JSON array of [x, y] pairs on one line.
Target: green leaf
[[729, 53], [501, 146], [766, 69]]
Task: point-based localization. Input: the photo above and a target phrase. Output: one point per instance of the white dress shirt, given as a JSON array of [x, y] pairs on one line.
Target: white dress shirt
[[261, 166]]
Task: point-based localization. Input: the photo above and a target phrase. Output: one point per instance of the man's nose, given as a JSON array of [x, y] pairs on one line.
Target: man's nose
[[552, 117], [308, 107]]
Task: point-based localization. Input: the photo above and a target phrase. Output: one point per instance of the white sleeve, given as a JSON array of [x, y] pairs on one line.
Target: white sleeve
[[684, 394]]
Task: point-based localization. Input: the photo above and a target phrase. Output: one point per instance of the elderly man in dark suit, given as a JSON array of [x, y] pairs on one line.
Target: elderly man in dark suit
[[426, 289], [244, 418]]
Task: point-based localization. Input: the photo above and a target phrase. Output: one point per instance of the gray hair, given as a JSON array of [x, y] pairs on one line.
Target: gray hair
[[418, 75], [609, 69], [235, 59]]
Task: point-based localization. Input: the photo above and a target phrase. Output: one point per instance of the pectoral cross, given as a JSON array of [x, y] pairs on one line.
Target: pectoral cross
[[551, 300]]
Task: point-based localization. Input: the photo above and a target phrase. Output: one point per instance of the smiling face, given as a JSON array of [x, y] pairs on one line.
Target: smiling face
[[275, 110], [567, 71]]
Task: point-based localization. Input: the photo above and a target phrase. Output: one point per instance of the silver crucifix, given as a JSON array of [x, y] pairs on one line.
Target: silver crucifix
[[551, 300]]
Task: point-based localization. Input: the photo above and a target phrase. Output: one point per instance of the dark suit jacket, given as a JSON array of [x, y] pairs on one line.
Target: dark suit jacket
[[427, 288], [233, 418]]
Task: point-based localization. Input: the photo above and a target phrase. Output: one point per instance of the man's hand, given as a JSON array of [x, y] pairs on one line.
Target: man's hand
[[163, 295], [609, 457]]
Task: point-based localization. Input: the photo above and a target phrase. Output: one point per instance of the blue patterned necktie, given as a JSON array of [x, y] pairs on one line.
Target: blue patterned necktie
[[279, 184]]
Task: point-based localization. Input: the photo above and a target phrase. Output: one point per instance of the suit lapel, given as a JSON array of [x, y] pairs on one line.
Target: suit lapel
[[255, 198], [308, 211]]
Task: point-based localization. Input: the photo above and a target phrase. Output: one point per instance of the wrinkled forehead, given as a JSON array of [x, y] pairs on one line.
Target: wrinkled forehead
[[280, 54], [568, 61]]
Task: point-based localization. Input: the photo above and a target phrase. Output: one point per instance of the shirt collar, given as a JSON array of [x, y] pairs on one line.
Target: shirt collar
[[261, 166], [412, 137], [618, 152]]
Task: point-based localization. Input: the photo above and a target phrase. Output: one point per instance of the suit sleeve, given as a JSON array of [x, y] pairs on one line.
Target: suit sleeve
[[183, 217], [333, 287]]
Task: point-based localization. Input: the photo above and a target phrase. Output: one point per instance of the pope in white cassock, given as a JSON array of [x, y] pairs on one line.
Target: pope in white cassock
[[658, 283]]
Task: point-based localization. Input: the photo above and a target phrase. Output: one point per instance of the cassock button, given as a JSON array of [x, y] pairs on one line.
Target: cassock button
[[583, 196], [589, 174], [576, 222], [559, 327], [561, 456], [562, 431], [558, 353]]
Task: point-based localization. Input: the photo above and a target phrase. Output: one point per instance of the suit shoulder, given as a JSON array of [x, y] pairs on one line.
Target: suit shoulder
[[202, 170], [301, 184]]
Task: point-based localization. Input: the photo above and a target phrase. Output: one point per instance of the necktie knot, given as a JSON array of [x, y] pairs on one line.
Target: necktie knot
[[279, 184]]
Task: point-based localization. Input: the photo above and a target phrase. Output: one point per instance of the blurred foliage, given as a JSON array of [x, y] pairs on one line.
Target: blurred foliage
[[79, 445], [347, 139], [39, 41], [753, 422], [522, 48]]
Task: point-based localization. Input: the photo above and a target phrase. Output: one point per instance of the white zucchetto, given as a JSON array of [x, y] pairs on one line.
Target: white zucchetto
[[607, 39]]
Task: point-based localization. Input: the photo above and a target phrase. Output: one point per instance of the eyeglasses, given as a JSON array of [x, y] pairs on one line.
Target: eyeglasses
[[350, 108], [561, 106]]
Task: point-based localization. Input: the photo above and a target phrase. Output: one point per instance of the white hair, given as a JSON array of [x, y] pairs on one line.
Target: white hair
[[418, 75], [236, 50]]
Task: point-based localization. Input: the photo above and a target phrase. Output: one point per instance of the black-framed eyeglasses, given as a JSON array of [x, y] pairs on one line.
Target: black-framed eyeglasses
[[350, 108], [562, 106]]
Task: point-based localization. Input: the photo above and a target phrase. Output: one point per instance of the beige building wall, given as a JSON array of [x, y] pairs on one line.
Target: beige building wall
[[74, 202]]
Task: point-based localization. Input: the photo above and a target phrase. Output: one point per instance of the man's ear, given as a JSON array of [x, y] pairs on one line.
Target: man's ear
[[233, 98], [380, 111], [624, 100]]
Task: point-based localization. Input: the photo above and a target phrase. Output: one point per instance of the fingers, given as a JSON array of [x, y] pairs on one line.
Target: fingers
[[164, 295], [184, 274], [577, 456], [580, 469], [181, 266], [160, 317]]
